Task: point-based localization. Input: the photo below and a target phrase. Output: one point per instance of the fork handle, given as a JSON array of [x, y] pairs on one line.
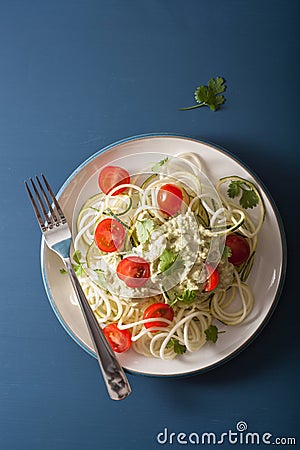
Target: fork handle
[[114, 376]]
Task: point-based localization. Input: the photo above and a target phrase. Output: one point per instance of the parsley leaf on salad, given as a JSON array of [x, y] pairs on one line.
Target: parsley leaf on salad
[[227, 252], [167, 259], [248, 196], [156, 166], [144, 229], [78, 268], [209, 95], [212, 333], [178, 348], [101, 278], [77, 256], [188, 296]]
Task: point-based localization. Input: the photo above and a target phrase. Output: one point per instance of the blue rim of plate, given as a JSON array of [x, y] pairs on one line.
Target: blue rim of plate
[[280, 227]]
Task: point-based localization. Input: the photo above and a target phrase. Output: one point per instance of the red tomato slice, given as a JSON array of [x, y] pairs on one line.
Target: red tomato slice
[[213, 278], [119, 340], [109, 235], [134, 271], [158, 310], [240, 249], [111, 177], [169, 199]]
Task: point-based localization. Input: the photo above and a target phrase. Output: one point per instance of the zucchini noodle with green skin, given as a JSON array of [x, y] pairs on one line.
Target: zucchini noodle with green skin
[[154, 234]]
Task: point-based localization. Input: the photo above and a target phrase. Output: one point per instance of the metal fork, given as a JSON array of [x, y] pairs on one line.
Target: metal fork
[[58, 238]]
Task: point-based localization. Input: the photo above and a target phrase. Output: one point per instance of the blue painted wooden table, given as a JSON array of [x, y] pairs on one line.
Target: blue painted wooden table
[[76, 76]]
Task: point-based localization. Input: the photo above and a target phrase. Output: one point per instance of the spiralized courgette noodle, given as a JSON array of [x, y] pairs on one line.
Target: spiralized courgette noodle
[[227, 305]]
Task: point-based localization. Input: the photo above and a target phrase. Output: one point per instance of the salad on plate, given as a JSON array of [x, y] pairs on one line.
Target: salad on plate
[[164, 255]]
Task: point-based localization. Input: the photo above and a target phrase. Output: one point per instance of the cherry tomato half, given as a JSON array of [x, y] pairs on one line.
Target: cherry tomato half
[[111, 177], [134, 271], [169, 199], [158, 310], [240, 249], [119, 340], [213, 278], [109, 235]]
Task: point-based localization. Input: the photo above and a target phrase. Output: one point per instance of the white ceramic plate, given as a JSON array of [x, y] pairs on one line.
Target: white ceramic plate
[[266, 278]]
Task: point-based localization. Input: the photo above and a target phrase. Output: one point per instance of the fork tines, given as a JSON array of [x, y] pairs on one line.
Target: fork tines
[[54, 215]]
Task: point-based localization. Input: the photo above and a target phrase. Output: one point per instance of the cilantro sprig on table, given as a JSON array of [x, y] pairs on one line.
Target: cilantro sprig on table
[[248, 196], [209, 95]]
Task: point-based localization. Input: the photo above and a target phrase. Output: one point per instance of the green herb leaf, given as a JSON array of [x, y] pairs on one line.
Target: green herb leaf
[[156, 166], [78, 269], [210, 95], [101, 278], [212, 333], [227, 252], [168, 258], [234, 189], [188, 296], [179, 349], [248, 196], [77, 256], [144, 229]]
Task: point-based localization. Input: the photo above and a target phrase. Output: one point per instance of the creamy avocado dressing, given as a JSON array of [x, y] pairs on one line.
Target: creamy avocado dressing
[[188, 243]]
